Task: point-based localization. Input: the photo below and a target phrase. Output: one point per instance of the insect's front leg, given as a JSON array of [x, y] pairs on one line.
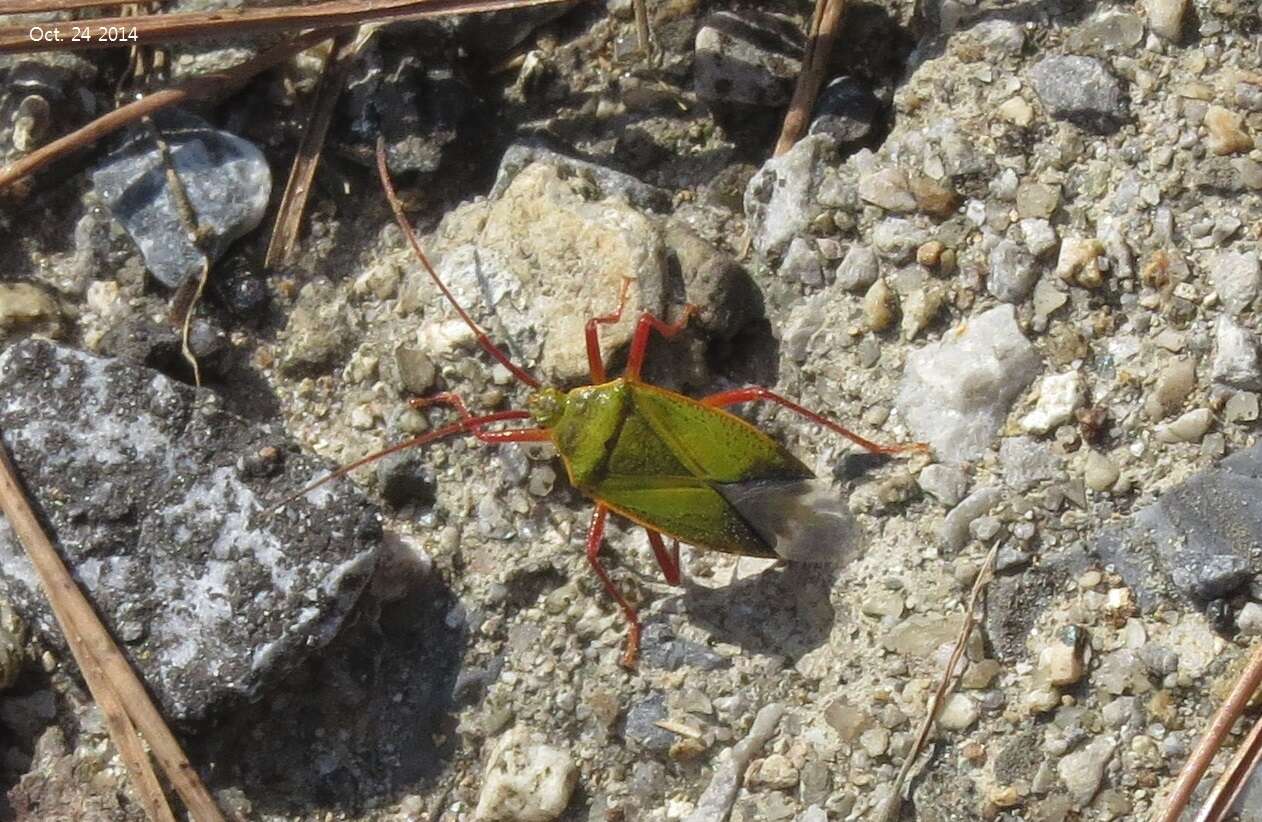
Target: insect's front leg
[[647, 325], [595, 537], [594, 362], [476, 425]]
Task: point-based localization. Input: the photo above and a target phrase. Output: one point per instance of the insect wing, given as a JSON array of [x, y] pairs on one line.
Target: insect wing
[[802, 520]]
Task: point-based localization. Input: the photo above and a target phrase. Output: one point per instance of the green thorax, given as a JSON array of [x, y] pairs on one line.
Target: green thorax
[[661, 459]]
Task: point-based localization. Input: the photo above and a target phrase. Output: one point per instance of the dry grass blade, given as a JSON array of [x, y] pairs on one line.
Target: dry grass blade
[[642, 27], [166, 28], [103, 664], [207, 87], [819, 45], [890, 812], [1234, 779], [1200, 759], [320, 113]]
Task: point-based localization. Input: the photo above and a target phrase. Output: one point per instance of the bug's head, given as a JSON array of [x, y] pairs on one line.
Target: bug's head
[[546, 406]]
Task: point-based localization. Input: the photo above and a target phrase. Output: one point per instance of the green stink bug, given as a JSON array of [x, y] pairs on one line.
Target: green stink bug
[[676, 466]]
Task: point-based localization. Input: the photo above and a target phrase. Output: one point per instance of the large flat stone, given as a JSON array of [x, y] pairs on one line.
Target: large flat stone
[[157, 500]]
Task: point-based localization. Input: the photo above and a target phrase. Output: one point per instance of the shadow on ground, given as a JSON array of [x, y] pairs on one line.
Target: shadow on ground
[[369, 717]]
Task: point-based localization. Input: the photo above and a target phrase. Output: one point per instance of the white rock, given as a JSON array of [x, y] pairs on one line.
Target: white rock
[[1060, 663], [958, 713], [1235, 356], [781, 201], [1038, 234], [1059, 395], [888, 189], [956, 393], [525, 780], [802, 263], [1249, 620], [1079, 261], [1101, 473]]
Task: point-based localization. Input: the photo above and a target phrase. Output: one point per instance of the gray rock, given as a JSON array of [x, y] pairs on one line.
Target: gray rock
[[781, 201], [1235, 356], [953, 532], [858, 269], [897, 238], [1026, 462], [1202, 535], [946, 483], [227, 179], [1081, 90], [660, 648], [162, 517], [955, 393], [998, 37], [847, 110], [802, 263], [751, 58], [1082, 771], [1236, 278], [1012, 273], [607, 181]]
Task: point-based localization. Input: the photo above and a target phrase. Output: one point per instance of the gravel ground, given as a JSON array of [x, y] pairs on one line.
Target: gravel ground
[[1025, 234]]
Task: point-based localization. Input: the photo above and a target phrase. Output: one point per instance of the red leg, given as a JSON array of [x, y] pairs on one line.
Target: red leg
[[756, 393], [640, 342], [668, 562], [593, 338], [474, 425], [596, 536]]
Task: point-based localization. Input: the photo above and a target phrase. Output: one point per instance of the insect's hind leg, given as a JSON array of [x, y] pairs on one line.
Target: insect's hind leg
[[596, 537], [594, 361], [756, 393], [668, 561]]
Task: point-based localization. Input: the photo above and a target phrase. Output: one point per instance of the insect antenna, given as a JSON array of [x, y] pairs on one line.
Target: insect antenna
[[462, 427], [399, 217]]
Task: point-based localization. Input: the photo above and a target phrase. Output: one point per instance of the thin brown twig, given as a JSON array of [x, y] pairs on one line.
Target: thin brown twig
[[1233, 781], [893, 804], [165, 28], [825, 26], [1190, 776], [209, 86], [319, 115], [51, 6], [83, 628]]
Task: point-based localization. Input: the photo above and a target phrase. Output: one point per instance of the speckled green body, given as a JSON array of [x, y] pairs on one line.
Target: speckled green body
[[658, 458]]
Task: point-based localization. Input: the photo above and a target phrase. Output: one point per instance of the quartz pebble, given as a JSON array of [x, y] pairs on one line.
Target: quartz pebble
[[1235, 360], [859, 268], [526, 780], [1012, 272], [1081, 90], [958, 713], [1189, 427], [1079, 262], [945, 483], [1059, 395]]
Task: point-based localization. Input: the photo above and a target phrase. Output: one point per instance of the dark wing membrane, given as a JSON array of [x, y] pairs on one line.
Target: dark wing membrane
[[713, 444], [686, 508], [803, 520]]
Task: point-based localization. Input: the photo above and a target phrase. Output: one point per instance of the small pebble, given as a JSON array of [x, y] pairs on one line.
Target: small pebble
[[859, 269], [1061, 662], [1101, 473], [1227, 134], [1079, 262], [1165, 17], [1059, 395], [958, 713], [1189, 427], [1249, 620], [880, 306]]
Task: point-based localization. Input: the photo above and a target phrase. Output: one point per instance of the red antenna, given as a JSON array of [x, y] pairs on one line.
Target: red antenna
[[397, 207]]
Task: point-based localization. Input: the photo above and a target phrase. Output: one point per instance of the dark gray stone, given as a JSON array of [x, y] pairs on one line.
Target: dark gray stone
[[156, 500], [750, 58], [1081, 90], [227, 179], [1204, 536], [640, 729], [848, 110], [660, 648], [418, 108]]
